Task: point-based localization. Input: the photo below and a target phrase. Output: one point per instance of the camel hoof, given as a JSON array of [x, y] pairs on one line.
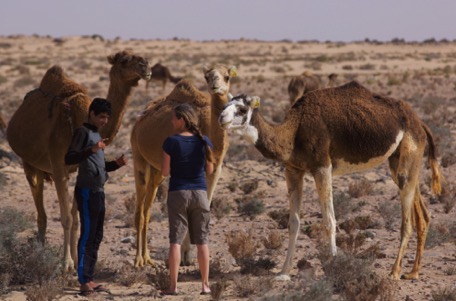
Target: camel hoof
[[149, 261], [394, 277], [410, 276], [282, 277], [139, 262]]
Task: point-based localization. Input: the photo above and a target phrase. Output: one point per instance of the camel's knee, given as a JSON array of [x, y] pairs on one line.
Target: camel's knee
[[401, 180]]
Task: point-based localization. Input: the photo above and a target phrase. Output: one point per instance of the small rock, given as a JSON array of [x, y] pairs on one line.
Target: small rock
[[128, 239]]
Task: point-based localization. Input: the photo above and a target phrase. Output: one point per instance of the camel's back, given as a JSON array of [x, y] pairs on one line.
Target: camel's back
[[42, 112], [362, 124]]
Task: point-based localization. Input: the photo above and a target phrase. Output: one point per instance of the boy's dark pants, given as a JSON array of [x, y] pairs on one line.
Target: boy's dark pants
[[91, 207]]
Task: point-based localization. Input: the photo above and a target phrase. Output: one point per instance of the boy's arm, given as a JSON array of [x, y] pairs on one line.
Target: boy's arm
[[165, 164], [78, 150], [116, 164]]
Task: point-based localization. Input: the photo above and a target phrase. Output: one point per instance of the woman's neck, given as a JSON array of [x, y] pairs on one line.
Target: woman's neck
[[185, 133]]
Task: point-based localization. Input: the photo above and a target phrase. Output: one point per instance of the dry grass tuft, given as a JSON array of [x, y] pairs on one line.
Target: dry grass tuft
[[444, 294], [241, 245], [273, 241], [281, 217], [390, 212], [217, 289], [246, 286], [360, 188], [220, 207]]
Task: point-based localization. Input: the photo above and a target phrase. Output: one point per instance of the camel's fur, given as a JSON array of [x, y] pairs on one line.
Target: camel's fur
[[342, 130], [41, 129], [154, 126], [2, 124], [162, 74]]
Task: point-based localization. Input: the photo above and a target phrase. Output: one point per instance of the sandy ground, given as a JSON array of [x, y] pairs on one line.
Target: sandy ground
[[422, 74]]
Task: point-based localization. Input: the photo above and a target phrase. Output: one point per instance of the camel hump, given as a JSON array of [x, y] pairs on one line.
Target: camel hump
[[185, 92], [56, 84]]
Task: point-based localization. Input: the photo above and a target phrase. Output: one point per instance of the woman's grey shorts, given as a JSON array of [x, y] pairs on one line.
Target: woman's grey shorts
[[188, 210]]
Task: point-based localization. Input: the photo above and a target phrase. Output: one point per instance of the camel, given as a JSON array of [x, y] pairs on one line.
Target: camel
[[154, 126], [162, 73], [41, 129], [337, 131], [306, 82], [301, 84]]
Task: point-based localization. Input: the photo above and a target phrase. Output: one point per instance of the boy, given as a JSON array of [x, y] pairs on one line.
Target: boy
[[87, 150]]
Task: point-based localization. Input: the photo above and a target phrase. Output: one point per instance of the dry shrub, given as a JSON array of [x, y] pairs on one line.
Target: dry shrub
[[130, 206], [360, 188], [342, 204], [359, 222], [438, 234], [250, 207], [241, 245], [246, 286], [217, 289], [160, 280], [220, 207], [354, 278], [49, 290], [316, 231], [444, 294], [351, 242], [448, 197], [281, 216], [448, 159], [257, 267], [390, 212], [273, 241], [450, 271], [128, 276], [250, 186], [218, 267]]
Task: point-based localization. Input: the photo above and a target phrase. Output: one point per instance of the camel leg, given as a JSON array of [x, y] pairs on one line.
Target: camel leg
[[140, 169], [405, 166], [151, 191], [422, 221], [323, 182], [35, 179], [294, 180], [60, 177]]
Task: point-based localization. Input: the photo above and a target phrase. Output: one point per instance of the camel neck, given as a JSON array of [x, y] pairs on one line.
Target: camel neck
[[274, 141]]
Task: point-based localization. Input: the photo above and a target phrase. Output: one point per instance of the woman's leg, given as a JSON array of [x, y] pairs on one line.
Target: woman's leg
[[174, 262], [203, 261]]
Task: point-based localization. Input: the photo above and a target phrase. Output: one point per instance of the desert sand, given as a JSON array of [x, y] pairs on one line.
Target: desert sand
[[423, 74]]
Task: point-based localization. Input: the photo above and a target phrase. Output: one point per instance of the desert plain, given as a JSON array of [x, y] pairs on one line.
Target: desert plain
[[251, 195]]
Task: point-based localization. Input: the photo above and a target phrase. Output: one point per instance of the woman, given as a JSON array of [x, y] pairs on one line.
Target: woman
[[187, 156]]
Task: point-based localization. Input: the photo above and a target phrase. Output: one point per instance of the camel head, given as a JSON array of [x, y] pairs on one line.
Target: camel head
[[127, 67], [218, 78], [237, 115]]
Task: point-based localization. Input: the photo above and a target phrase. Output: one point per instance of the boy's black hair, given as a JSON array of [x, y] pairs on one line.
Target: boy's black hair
[[100, 105]]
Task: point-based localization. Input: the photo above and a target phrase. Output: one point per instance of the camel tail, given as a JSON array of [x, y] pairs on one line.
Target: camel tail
[[433, 163]]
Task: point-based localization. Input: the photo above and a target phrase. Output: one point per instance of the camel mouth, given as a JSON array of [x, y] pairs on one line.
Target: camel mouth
[[225, 125], [148, 76]]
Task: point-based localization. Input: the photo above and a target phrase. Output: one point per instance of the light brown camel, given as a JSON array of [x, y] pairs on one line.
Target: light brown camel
[[154, 126], [332, 80], [337, 131], [40, 133], [301, 84], [161, 73]]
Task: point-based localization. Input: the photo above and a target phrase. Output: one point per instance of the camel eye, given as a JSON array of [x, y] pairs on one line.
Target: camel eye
[[227, 78], [243, 110]]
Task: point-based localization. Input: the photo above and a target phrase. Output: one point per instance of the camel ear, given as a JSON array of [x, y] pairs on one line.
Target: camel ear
[[205, 68], [255, 102], [233, 71]]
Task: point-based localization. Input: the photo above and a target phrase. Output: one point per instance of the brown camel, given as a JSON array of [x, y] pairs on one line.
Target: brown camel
[[337, 131], [162, 73], [306, 82], [40, 133], [154, 126]]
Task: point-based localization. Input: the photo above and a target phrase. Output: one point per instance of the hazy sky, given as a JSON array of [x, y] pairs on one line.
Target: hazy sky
[[336, 20]]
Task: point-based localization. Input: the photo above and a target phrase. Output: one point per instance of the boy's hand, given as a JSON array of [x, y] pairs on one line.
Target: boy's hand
[[100, 145], [121, 161]]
